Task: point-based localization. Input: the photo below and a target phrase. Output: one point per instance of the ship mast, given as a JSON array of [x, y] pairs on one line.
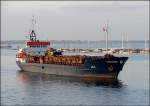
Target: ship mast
[[145, 42], [122, 41], [107, 36], [33, 21], [105, 29], [32, 34], [127, 40]]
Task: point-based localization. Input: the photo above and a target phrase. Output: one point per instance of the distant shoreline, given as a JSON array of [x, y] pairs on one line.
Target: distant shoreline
[[69, 41]]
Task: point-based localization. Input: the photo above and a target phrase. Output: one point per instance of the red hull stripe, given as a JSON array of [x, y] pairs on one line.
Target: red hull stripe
[[38, 43]]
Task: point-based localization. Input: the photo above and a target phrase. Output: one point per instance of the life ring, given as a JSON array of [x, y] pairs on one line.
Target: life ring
[[110, 68]]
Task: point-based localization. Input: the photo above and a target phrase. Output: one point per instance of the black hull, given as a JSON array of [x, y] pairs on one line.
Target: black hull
[[98, 68]]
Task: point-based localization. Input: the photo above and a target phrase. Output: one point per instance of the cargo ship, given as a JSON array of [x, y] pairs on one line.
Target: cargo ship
[[39, 56]]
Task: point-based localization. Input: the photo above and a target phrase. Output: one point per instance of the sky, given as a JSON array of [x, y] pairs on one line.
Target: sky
[[75, 20]]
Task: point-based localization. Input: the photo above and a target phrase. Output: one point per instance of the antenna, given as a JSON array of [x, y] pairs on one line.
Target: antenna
[[33, 22]]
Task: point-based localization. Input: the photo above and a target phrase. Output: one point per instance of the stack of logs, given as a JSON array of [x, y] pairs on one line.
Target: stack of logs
[[51, 58], [60, 59]]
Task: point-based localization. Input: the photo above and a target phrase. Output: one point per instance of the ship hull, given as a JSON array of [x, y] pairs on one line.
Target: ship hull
[[89, 70]]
